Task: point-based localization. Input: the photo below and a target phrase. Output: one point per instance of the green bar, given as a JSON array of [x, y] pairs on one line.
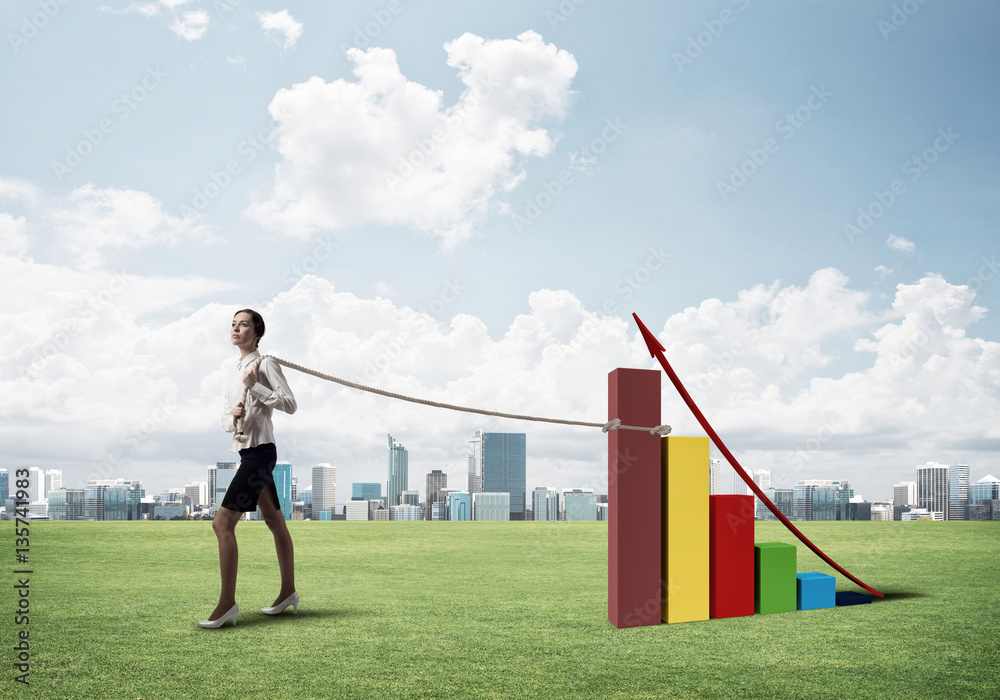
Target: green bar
[[774, 573]]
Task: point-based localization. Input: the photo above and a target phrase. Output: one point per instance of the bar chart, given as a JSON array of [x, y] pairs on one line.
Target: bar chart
[[678, 554]]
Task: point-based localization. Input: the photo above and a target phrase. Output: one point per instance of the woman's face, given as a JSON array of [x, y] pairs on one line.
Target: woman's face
[[242, 334]]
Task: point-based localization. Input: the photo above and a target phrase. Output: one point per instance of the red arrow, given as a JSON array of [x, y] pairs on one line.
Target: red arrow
[[656, 350]]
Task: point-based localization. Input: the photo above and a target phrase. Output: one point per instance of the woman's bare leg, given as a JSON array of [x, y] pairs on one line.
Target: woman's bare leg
[[275, 520], [224, 525]]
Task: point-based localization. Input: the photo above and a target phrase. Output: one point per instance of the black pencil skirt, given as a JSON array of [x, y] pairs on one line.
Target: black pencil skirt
[[254, 475]]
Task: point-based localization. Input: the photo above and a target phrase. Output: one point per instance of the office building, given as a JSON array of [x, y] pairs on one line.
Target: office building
[[366, 491], [460, 505], [881, 510], [904, 494], [714, 477], [579, 504], [476, 462], [4, 486], [504, 465], [405, 511], [282, 473], [409, 498], [66, 504], [932, 488], [958, 492], [324, 490], [986, 489], [439, 510], [213, 481], [53, 480], [488, 505], [783, 500], [397, 471], [545, 503], [36, 485], [357, 510], [922, 514], [197, 494], [436, 480]]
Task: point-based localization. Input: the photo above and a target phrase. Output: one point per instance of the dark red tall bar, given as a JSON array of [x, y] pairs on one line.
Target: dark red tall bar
[[730, 556], [634, 586]]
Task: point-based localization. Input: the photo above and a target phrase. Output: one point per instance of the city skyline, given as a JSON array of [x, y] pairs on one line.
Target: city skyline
[[934, 492]]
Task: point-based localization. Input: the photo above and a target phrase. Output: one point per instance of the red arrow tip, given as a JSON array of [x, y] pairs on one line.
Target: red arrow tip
[[651, 342]]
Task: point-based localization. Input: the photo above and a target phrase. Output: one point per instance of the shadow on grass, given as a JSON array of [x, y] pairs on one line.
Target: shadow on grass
[[254, 619], [899, 595]]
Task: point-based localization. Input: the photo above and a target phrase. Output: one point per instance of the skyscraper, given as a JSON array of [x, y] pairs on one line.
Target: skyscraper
[[324, 489], [283, 484], [986, 489], [215, 498], [397, 470], [904, 494], [545, 503], [366, 491], [714, 477], [476, 462], [436, 480], [580, 504], [932, 488], [504, 464], [958, 492], [488, 505], [460, 506]]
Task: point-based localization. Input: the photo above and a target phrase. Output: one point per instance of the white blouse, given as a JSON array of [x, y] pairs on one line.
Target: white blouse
[[270, 392]]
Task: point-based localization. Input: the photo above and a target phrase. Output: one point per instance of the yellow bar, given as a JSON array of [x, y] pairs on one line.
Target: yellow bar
[[685, 528]]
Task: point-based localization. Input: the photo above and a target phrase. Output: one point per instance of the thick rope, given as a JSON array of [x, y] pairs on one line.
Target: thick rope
[[615, 424]]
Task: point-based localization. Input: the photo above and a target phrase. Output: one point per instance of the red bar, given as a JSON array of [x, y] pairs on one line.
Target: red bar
[[730, 556], [634, 585]]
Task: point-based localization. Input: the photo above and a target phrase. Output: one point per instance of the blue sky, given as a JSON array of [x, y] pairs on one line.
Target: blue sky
[[690, 92]]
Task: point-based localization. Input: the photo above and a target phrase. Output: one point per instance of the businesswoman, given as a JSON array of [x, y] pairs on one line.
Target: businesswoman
[[253, 484]]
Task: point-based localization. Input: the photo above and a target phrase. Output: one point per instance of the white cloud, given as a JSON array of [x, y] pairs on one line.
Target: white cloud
[[91, 219], [282, 24], [900, 244], [18, 191], [925, 389], [191, 25], [387, 150], [13, 239], [187, 24], [882, 270]]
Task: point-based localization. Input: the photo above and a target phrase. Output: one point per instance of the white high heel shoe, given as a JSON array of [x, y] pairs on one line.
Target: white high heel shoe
[[232, 612], [292, 600]]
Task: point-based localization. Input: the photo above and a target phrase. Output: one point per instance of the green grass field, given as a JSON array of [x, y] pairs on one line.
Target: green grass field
[[485, 610]]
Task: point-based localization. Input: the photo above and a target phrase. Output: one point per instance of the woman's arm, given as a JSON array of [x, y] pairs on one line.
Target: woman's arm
[[279, 396]]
